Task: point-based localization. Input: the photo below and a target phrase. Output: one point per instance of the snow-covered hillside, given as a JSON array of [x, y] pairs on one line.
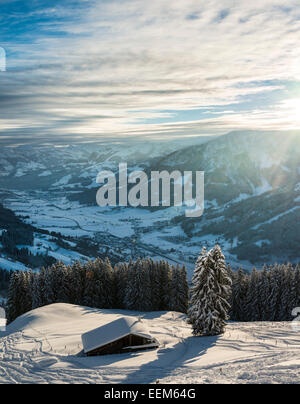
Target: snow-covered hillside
[[251, 193], [252, 200], [70, 165], [44, 346]]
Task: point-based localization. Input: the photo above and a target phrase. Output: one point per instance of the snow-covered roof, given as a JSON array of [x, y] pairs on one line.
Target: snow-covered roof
[[113, 331]]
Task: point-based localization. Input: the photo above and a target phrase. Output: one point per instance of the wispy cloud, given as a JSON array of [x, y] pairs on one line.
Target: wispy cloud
[[113, 68]]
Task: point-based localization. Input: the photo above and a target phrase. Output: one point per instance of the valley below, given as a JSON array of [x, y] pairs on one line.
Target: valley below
[[252, 201]]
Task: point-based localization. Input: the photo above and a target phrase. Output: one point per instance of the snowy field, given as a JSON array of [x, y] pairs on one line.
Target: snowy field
[[151, 229], [8, 264], [44, 346]]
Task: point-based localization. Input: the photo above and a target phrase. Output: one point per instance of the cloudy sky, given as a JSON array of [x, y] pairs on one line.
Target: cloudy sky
[[100, 69]]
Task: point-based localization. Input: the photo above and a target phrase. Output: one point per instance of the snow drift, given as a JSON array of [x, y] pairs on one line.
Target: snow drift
[[44, 346]]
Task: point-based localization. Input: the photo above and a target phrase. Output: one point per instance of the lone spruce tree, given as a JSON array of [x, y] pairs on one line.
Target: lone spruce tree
[[210, 294]]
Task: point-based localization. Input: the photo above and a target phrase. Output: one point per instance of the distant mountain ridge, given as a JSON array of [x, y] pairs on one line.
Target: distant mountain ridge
[[30, 167], [252, 192], [252, 186]]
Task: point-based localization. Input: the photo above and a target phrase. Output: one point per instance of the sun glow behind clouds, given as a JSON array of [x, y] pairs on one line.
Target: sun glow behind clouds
[[292, 110]]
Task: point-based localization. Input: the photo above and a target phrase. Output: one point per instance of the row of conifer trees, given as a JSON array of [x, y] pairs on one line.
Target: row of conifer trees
[[219, 294], [142, 285], [270, 294]]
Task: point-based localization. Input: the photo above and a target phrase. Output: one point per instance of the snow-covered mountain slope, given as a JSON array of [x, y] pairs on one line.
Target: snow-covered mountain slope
[[75, 166], [242, 164], [252, 192], [23, 246], [44, 346]]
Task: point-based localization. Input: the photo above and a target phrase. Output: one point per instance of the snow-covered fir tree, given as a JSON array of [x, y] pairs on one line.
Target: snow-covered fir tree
[[224, 283], [210, 294], [200, 284]]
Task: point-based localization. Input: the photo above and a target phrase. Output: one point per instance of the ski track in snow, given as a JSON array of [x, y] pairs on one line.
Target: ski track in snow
[[246, 353]]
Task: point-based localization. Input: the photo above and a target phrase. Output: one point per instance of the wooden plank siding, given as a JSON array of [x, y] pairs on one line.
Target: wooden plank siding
[[118, 345]]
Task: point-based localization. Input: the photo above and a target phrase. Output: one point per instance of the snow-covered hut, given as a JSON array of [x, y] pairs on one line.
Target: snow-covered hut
[[126, 334]]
